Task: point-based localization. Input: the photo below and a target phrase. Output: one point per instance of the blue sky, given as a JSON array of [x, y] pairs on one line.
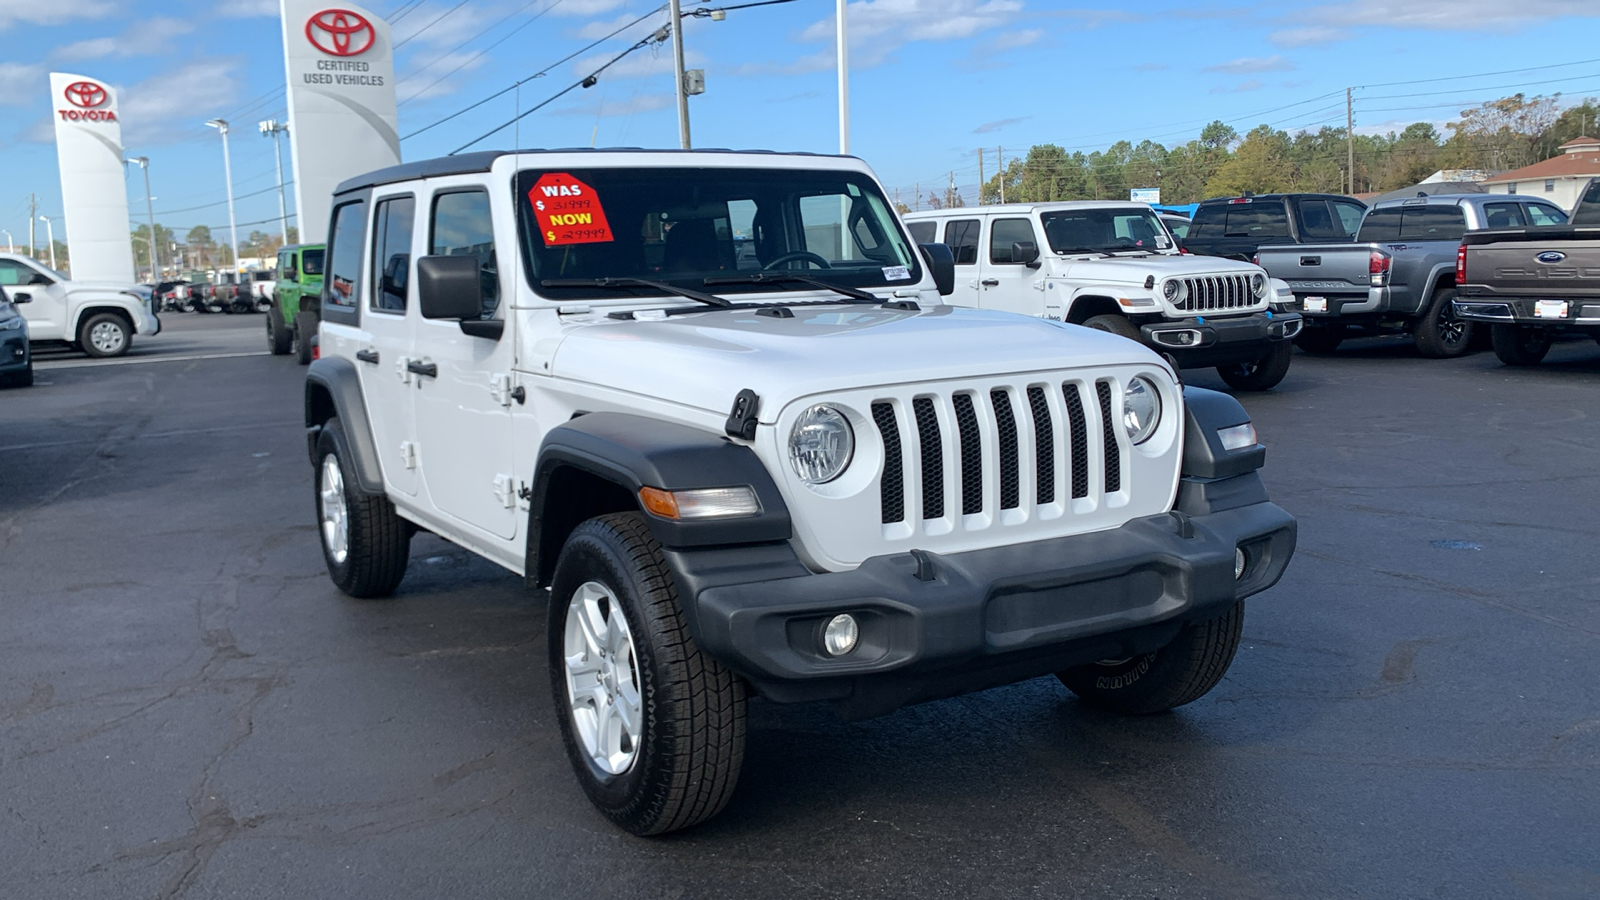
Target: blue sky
[[931, 80]]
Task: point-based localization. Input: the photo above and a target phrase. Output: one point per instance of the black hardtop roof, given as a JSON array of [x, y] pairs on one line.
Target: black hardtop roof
[[1213, 201], [483, 160]]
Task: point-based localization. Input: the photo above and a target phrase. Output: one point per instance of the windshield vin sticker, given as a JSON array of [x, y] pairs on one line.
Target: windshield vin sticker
[[568, 211], [896, 273]]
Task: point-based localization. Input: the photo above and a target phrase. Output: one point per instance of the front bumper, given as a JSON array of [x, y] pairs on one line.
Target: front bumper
[[1525, 311], [149, 324], [1216, 341], [13, 351], [938, 625]]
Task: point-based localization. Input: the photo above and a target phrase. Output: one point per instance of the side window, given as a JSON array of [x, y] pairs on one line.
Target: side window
[[14, 273], [1380, 225], [1503, 215], [924, 232], [1432, 223], [461, 225], [1005, 232], [1208, 221], [962, 236], [344, 252], [311, 261], [1317, 222], [391, 252], [1587, 212], [1540, 214], [1349, 215]]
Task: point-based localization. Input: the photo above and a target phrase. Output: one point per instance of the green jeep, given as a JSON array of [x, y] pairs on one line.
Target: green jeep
[[296, 301]]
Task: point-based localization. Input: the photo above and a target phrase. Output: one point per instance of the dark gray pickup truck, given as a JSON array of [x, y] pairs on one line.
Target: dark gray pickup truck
[[1399, 275], [1534, 283]]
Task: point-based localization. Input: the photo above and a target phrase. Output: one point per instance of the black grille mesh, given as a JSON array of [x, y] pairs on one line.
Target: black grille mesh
[[1080, 441], [1044, 443], [894, 484], [932, 458], [1113, 452], [971, 455], [1006, 423]]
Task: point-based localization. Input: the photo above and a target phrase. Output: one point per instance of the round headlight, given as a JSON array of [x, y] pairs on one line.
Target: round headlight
[[1141, 409], [1258, 284], [1170, 289], [821, 444]]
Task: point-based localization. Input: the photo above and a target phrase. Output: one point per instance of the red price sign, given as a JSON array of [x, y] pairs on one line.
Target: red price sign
[[568, 211]]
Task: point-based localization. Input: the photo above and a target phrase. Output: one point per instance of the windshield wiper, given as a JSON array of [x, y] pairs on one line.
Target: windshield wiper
[[1068, 251], [792, 278], [626, 282]]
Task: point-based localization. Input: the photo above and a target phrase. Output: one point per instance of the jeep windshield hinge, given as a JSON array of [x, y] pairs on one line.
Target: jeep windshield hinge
[[742, 418]]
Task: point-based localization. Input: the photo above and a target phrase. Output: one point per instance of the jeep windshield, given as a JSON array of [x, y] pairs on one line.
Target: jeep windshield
[[605, 233], [1104, 231]]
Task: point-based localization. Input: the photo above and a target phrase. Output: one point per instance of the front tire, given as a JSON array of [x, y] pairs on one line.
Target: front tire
[[279, 337], [1440, 333], [364, 542], [105, 334], [654, 728], [1181, 672], [1519, 345], [1118, 325], [305, 325], [1263, 374]]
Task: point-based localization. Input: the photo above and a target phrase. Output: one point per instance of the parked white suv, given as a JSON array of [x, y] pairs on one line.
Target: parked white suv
[[713, 400], [1115, 267], [99, 319]]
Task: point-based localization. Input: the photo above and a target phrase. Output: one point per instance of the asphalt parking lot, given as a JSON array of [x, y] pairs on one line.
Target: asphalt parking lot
[[188, 707]]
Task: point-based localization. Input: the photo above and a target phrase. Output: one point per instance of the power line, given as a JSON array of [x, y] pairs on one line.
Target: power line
[[479, 55], [442, 16], [1580, 62], [173, 212]]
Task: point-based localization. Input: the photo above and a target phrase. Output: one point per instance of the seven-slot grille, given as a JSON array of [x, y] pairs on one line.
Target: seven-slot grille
[[1208, 293], [1010, 446]]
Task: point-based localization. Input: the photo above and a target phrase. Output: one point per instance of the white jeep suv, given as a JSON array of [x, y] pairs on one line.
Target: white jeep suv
[[715, 403]]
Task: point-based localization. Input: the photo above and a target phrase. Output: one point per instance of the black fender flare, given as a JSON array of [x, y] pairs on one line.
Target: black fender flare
[[333, 388], [1205, 413], [631, 452]]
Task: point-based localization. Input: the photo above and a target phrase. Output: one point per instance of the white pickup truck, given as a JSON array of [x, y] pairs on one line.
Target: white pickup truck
[[98, 318]]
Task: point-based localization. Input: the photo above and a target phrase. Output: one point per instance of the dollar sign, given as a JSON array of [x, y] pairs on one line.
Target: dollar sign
[[539, 204], [550, 237]]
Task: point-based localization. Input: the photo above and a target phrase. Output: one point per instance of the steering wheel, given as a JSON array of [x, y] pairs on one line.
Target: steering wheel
[[806, 255]]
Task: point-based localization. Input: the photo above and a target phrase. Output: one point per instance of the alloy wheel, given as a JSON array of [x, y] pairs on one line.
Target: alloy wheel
[[603, 679], [335, 515]]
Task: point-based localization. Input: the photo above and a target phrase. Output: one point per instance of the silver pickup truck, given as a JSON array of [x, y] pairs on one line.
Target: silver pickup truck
[[1400, 274]]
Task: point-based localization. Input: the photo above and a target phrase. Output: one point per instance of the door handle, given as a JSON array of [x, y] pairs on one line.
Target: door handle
[[1310, 260], [426, 369], [367, 356], [991, 282]]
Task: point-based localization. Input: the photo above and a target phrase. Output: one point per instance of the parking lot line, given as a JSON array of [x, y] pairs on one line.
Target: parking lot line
[[46, 365]]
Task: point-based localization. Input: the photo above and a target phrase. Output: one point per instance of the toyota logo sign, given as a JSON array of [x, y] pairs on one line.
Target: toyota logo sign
[[85, 94], [340, 32]]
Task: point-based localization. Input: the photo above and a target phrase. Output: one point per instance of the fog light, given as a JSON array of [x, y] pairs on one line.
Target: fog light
[[1240, 563], [840, 634]]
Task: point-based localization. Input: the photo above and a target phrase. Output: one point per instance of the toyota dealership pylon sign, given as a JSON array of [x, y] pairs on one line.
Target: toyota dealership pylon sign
[[342, 119], [94, 193]]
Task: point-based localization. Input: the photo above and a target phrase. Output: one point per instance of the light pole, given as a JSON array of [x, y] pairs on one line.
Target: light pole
[[10, 246], [272, 128], [50, 235], [221, 125], [150, 211], [844, 81]]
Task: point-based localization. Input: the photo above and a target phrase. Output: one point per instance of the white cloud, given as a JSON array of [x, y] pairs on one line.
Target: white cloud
[[164, 106], [144, 38], [1308, 37], [441, 24], [610, 109], [999, 124], [439, 78], [21, 83], [879, 27], [1242, 87], [53, 12], [1251, 65], [1452, 15], [582, 8]]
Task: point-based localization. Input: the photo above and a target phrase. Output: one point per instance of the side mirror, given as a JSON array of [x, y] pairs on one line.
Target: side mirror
[[21, 298], [1025, 252], [942, 264], [39, 278], [449, 287]]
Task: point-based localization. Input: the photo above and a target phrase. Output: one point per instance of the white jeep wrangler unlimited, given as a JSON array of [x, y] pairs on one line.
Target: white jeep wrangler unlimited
[[1114, 266], [713, 400]]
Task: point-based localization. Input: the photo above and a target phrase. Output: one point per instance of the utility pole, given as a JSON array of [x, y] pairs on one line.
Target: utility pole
[[1350, 137], [272, 128], [1000, 167], [980, 176], [33, 213], [916, 202], [678, 75], [221, 125], [844, 79]]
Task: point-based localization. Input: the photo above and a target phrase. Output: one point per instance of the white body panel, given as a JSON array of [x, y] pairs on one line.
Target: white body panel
[[54, 309]]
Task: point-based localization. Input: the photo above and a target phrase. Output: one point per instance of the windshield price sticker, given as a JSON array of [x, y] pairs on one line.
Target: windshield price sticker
[[896, 273], [568, 211]]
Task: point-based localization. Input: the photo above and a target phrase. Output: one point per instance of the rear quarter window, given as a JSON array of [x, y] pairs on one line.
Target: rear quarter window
[[1588, 211], [341, 290], [1414, 223]]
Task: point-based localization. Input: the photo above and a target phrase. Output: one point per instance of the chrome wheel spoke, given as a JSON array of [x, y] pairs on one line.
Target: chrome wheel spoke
[[602, 683]]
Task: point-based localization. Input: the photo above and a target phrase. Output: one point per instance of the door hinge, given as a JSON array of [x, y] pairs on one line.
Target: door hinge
[[400, 367], [505, 491], [408, 454], [500, 389], [524, 492]]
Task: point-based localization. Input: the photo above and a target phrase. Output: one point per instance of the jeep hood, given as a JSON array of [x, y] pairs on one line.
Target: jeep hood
[[704, 359], [1134, 269]]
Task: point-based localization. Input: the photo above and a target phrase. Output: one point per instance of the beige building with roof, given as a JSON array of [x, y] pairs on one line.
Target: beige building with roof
[[1559, 179]]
